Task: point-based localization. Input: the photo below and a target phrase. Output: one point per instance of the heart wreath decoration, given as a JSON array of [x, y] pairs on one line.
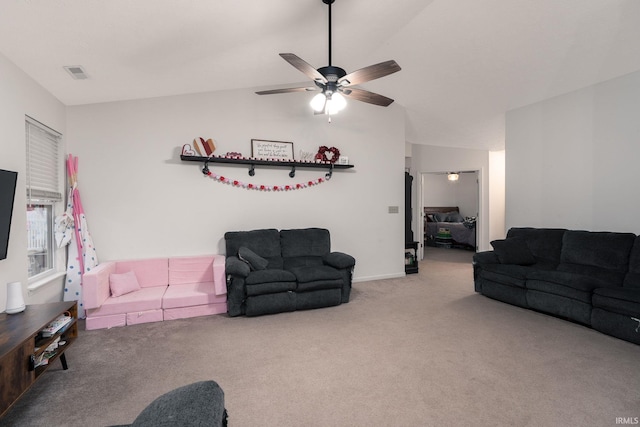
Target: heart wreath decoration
[[327, 154]]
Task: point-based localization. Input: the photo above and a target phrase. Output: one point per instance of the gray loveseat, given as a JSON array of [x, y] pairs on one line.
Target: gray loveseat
[[591, 278], [270, 271]]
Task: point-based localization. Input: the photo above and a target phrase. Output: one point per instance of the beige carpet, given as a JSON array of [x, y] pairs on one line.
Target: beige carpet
[[424, 350]]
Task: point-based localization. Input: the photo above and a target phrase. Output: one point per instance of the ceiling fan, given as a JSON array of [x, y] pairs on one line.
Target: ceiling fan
[[334, 82]]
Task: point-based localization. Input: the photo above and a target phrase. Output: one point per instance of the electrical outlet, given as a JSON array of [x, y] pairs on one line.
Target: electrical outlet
[[394, 209]]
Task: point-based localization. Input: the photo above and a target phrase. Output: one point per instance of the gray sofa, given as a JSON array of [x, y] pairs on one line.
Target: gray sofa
[[592, 278], [194, 405], [270, 271]]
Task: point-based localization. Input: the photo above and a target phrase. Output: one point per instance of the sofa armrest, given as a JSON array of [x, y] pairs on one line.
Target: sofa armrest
[[236, 267], [487, 257], [219, 277], [95, 285], [339, 260]]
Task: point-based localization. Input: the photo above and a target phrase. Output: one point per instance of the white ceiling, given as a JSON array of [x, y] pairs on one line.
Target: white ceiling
[[465, 62]]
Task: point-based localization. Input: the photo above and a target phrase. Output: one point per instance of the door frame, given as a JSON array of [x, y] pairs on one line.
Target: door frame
[[419, 210]]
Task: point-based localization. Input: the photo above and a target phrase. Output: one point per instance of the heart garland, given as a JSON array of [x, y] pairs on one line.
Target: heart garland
[[333, 152], [261, 187]]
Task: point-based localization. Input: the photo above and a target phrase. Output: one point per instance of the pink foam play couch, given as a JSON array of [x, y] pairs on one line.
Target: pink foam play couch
[[170, 288]]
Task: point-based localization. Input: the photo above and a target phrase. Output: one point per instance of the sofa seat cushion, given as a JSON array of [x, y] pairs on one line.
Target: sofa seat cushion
[[191, 294], [618, 300], [149, 298], [315, 273], [506, 274], [290, 263], [565, 284], [317, 277], [269, 276]]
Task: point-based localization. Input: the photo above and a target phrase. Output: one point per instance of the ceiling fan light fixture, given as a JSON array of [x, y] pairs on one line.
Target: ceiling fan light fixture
[[318, 101], [328, 103], [336, 103]]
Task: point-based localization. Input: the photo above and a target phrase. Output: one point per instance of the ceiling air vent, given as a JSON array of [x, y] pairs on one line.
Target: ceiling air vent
[[77, 72]]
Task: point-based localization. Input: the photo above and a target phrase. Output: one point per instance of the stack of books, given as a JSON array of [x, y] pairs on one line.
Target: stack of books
[[56, 326]]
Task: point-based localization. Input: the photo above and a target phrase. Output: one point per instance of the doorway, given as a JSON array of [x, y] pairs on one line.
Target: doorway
[[461, 191]]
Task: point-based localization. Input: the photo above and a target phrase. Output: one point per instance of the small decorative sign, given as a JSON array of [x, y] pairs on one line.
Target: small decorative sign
[[268, 150], [307, 156], [343, 160]]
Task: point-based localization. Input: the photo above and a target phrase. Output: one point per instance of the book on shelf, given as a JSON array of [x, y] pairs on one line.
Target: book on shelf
[[56, 326]]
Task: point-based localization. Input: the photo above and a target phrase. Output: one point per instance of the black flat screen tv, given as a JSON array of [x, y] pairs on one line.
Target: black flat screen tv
[[7, 195]]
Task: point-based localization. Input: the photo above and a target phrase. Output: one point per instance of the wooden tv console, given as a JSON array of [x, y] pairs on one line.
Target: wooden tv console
[[21, 344]]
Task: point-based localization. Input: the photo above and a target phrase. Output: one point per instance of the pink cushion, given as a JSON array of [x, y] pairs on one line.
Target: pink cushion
[[150, 272], [193, 269], [123, 283], [191, 294], [142, 300]]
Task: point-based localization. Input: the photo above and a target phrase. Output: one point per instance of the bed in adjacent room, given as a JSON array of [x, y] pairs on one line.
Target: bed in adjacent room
[[445, 227]]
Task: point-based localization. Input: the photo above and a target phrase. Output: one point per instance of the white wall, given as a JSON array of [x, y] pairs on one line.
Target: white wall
[[497, 195], [427, 158], [437, 190], [20, 95], [142, 201], [572, 161]]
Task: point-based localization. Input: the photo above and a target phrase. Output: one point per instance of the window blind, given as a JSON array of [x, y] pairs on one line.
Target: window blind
[[43, 162]]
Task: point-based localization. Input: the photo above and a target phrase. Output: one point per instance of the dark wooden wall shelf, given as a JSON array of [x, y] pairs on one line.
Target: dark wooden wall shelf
[[252, 163]]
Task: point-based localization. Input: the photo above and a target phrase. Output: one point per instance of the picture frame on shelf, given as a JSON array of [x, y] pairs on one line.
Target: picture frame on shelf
[[268, 150]]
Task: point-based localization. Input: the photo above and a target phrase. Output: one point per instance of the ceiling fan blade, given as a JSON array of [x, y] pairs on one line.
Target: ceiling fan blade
[[366, 96], [369, 73], [287, 90], [303, 66]]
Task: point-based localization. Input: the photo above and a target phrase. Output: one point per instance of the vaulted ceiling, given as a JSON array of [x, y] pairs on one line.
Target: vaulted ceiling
[[464, 62]]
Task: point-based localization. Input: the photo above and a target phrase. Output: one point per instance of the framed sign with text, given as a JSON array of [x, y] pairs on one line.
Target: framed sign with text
[[264, 149]]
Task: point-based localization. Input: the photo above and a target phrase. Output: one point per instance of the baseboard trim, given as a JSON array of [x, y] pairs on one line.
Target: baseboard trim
[[381, 277]]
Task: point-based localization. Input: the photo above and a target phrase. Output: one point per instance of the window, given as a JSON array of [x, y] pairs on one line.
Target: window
[[40, 244], [43, 192]]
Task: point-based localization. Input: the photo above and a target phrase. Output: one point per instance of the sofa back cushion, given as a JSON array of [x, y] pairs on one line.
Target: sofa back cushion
[[544, 243], [314, 242], [603, 255], [304, 247], [264, 242], [193, 269], [632, 279], [149, 272]]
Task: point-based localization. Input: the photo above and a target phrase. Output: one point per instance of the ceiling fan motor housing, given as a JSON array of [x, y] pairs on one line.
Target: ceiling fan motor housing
[[331, 73]]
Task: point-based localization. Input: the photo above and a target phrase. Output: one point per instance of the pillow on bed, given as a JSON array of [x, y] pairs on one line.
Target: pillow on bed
[[440, 216], [454, 217], [513, 250]]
